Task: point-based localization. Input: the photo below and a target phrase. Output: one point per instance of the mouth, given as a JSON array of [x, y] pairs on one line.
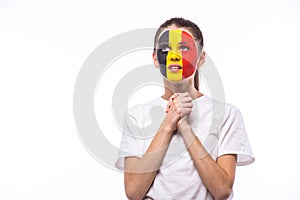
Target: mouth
[[174, 68]]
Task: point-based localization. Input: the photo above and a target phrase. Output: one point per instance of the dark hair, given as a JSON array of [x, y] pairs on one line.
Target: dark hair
[[192, 27]]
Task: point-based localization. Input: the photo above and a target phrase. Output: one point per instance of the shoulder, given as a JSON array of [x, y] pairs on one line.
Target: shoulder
[[221, 109]]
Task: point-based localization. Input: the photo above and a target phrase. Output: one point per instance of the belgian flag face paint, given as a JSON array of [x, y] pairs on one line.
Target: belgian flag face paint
[[177, 55]]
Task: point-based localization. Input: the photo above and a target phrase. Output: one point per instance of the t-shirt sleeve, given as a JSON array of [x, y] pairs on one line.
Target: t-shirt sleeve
[[131, 144], [233, 138]]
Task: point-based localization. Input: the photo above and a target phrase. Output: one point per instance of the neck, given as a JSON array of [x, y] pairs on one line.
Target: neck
[[186, 85]]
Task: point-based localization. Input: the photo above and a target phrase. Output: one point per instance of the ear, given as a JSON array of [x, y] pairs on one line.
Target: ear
[[155, 61], [202, 59]]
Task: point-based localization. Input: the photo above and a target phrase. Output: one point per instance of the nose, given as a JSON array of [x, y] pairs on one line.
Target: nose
[[174, 56]]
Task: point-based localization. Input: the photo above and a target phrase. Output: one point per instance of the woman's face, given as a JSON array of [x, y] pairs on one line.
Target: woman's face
[[176, 54]]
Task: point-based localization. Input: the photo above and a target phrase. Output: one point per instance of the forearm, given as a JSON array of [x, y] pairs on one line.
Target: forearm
[[140, 173], [214, 177]]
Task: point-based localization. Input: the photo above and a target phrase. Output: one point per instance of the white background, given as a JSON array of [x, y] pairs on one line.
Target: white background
[[254, 45]]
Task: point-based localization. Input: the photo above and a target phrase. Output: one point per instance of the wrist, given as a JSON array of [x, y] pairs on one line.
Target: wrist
[[183, 125], [168, 129]]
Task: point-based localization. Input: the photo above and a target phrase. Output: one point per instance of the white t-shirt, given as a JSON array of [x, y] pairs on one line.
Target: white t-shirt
[[218, 126]]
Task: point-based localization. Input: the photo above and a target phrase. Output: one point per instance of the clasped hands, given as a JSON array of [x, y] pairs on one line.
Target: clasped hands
[[178, 109]]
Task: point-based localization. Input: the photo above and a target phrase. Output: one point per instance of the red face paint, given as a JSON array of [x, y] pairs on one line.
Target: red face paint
[[190, 56]]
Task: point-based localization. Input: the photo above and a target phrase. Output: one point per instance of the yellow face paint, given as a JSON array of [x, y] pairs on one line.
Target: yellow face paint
[[174, 57]]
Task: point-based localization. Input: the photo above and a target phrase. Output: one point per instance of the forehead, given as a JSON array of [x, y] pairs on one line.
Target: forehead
[[175, 35]]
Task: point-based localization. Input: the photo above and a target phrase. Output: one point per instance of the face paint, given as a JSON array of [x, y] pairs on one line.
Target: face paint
[[177, 55]]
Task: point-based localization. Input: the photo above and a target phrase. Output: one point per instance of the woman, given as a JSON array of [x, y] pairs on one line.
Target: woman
[[172, 162]]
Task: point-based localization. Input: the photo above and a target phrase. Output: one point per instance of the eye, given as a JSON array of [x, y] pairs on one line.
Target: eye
[[184, 48], [165, 48]]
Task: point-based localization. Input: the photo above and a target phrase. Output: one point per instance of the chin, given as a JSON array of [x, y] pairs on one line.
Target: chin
[[182, 81]]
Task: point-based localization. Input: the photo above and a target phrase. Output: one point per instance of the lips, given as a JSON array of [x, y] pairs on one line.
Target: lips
[[174, 68]]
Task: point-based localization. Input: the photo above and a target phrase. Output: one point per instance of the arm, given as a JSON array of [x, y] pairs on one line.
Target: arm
[[217, 176], [140, 172]]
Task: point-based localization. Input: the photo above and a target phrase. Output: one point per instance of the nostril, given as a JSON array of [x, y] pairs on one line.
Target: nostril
[[175, 59]]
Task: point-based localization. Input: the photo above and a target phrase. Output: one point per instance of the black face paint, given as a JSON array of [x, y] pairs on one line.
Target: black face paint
[[161, 55]]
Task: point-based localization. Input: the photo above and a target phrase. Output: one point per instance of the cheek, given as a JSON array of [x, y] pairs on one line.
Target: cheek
[[162, 59], [189, 61], [189, 58]]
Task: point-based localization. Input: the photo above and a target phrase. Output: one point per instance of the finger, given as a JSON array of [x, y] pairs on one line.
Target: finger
[[171, 99], [185, 111], [174, 96], [168, 106], [178, 105], [181, 95], [185, 99], [179, 102], [185, 105]]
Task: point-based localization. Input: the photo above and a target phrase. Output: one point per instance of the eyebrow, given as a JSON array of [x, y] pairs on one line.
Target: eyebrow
[[164, 43], [170, 43], [183, 42]]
